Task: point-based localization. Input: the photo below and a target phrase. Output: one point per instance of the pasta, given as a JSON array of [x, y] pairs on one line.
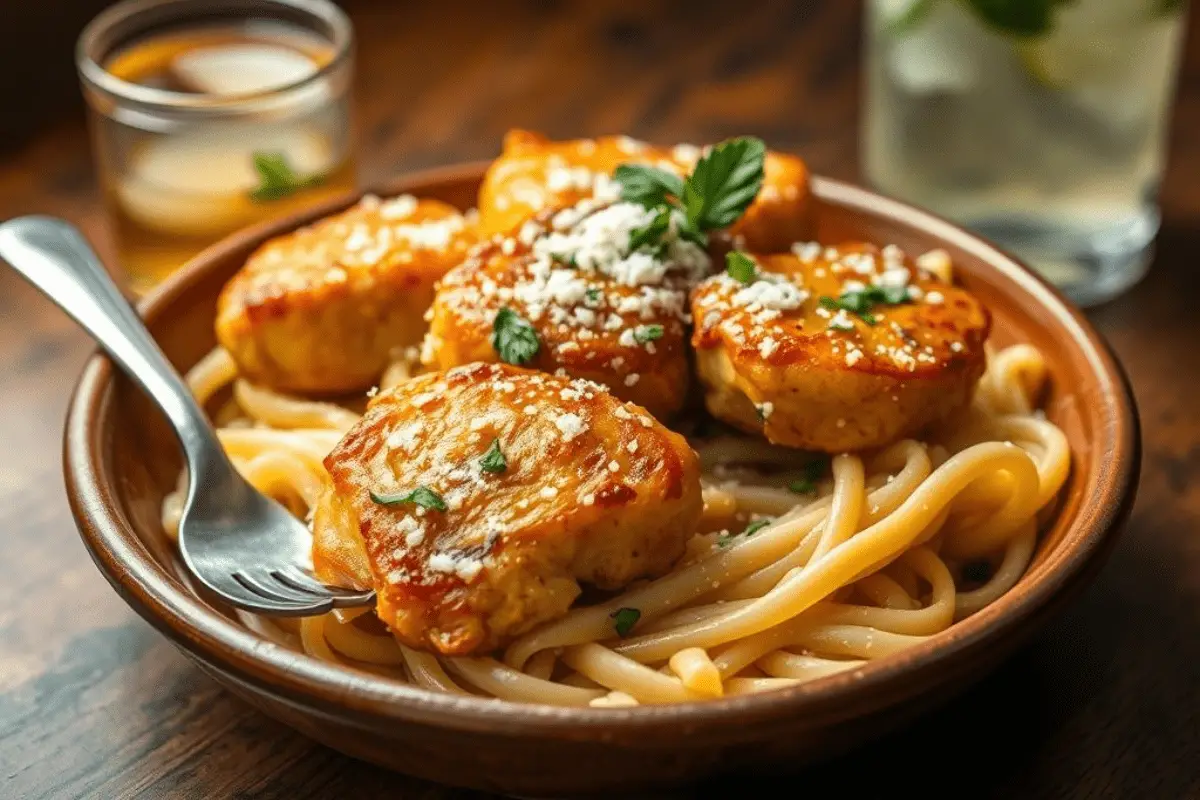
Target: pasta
[[893, 549]]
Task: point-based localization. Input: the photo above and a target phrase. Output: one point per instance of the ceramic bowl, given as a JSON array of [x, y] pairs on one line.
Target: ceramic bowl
[[121, 459]]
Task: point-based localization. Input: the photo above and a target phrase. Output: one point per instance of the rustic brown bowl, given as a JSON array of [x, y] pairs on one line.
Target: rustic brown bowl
[[121, 460]]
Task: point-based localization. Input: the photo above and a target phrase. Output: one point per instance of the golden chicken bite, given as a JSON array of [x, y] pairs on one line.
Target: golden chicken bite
[[322, 309], [837, 349], [598, 311], [534, 173], [526, 485]]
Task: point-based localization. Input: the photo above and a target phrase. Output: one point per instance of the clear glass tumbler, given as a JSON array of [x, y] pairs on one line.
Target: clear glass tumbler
[[209, 115], [1041, 124]]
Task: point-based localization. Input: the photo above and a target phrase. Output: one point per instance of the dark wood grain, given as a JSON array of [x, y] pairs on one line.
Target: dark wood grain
[[1105, 703]]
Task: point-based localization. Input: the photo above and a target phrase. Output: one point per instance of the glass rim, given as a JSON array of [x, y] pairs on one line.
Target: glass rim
[[96, 77]]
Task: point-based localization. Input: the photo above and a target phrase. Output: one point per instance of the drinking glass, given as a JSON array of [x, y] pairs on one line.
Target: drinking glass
[[1038, 123], [209, 115]]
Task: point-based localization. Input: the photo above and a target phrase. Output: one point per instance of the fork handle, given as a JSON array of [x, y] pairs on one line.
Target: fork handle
[[53, 256]]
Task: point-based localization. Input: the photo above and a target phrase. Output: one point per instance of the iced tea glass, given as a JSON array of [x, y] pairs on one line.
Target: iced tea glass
[[209, 115]]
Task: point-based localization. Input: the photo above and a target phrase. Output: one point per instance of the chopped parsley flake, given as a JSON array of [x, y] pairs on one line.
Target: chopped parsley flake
[[422, 496], [493, 460], [514, 339], [740, 266], [624, 619], [861, 302], [751, 529], [757, 525], [647, 333]]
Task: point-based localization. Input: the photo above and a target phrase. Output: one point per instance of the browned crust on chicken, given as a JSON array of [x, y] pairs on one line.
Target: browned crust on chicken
[[798, 378], [594, 491], [322, 309], [612, 348]]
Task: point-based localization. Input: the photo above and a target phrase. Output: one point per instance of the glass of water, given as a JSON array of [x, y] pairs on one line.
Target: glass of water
[[1040, 124], [210, 115]]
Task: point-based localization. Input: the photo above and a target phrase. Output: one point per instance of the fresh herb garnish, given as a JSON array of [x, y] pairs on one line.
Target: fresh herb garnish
[[1017, 17], [757, 525], [751, 529], [569, 261], [276, 178], [421, 496], [592, 295], [493, 460], [647, 333], [652, 234], [624, 619], [649, 186], [513, 338], [811, 472], [861, 302], [740, 266], [722, 185]]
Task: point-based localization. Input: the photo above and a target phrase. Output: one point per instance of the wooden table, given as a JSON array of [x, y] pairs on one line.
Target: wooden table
[[1105, 703]]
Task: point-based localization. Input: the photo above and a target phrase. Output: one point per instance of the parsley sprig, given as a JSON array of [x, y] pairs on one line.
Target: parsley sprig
[[721, 187], [422, 496], [513, 338], [651, 235], [276, 179], [650, 186]]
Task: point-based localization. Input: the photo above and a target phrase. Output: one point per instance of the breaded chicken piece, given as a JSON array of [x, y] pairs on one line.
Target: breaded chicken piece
[[530, 485], [778, 355], [533, 174], [599, 311], [322, 309]]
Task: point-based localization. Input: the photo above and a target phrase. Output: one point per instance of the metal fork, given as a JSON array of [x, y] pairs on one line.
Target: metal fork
[[239, 543]]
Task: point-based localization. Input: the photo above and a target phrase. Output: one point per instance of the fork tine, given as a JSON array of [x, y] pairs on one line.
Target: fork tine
[[293, 577], [341, 598], [265, 587], [242, 596]]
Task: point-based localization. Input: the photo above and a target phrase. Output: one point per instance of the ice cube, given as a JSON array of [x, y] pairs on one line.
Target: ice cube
[[232, 69], [938, 53], [197, 183]]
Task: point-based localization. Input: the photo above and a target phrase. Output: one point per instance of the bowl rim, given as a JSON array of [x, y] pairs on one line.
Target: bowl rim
[[209, 636]]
